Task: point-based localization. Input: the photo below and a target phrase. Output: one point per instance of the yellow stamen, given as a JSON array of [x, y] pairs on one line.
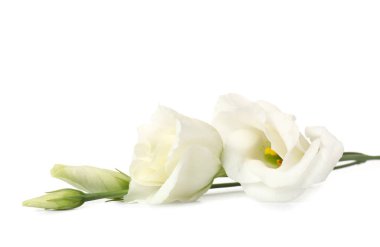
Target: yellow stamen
[[269, 151]]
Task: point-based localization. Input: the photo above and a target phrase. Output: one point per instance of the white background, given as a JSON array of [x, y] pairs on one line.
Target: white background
[[77, 77]]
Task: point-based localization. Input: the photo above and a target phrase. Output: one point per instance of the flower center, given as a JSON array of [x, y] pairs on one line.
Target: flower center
[[272, 158]]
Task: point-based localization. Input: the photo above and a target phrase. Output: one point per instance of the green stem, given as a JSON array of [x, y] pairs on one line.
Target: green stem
[[348, 164], [101, 195], [358, 157], [224, 185]]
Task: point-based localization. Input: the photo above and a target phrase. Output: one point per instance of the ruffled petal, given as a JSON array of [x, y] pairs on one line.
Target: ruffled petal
[[330, 151], [264, 193], [282, 132], [140, 193], [192, 176], [240, 145]]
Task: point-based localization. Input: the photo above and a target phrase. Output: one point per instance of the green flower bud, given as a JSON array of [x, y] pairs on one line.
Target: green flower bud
[[57, 200], [91, 179]]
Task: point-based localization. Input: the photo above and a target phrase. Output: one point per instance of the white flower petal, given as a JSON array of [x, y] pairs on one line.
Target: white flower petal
[[140, 193], [240, 145], [192, 132], [264, 193], [143, 172], [330, 151], [191, 177], [235, 112], [282, 132]]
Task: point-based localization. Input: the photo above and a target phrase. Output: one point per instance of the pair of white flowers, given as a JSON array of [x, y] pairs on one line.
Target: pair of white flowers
[[177, 157]]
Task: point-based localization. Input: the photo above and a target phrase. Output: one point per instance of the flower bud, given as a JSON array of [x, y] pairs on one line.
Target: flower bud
[[91, 179], [57, 200]]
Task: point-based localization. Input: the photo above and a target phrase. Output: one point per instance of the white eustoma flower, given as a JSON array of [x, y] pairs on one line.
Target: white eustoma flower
[[266, 153], [176, 159]]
